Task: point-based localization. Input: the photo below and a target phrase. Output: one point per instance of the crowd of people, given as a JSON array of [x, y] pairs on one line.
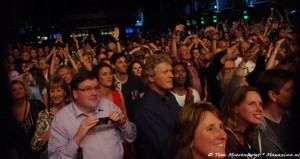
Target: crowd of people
[[225, 91]]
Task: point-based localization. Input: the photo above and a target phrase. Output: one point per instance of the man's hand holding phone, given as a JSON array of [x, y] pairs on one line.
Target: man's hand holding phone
[[119, 118]]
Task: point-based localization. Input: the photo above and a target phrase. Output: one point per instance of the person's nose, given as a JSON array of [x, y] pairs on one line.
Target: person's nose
[[259, 107], [222, 135], [171, 74], [94, 91]]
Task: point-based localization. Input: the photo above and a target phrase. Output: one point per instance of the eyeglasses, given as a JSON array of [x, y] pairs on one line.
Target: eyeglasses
[[89, 89]]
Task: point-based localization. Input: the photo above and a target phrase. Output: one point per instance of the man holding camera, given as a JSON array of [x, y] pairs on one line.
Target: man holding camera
[[88, 123]]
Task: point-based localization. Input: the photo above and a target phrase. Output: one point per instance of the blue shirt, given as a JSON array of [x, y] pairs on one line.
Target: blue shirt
[[35, 93], [155, 118], [103, 141]]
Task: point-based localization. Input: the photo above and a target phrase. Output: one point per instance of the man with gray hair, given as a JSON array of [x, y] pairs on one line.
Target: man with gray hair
[[156, 112]]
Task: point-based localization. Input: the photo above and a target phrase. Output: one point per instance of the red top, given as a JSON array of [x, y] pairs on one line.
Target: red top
[[117, 99]]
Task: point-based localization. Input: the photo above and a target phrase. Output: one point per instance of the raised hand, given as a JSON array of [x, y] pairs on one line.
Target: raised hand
[[178, 28], [116, 33], [84, 37], [59, 39], [92, 38], [279, 42]]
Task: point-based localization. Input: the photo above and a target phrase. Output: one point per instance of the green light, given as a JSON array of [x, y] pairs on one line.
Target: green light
[[246, 17], [38, 37], [188, 23], [214, 16], [202, 18], [215, 20], [202, 22], [245, 12]]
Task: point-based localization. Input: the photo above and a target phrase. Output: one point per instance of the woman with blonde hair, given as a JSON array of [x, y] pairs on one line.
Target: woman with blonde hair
[[24, 118], [198, 133]]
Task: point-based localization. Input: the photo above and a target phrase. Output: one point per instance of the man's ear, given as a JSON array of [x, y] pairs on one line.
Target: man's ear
[[272, 95], [75, 94]]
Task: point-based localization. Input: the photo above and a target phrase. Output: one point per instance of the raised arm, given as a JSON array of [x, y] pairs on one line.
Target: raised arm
[[151, 45], [271, 59], [115, 35], [175, 39], [231, 53], [270, 49], [271, 16], [213, 46], [281, 19], [195, 42], [70, 59], [52, 64], [93, 39], [187, 39], [87, 65], [286, 13], [75, 41]]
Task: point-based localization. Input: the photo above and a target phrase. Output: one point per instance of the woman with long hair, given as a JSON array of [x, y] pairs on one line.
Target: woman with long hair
[[36, 79], [24, 119], [107, 89], [198, 133], [135, 68], [182, 90], [59, 96], [242, 112]]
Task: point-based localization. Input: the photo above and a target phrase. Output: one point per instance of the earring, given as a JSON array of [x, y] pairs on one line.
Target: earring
[[66, 99]]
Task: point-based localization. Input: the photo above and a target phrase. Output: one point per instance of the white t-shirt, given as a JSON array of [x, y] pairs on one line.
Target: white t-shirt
[[181, 98], [249, 64]]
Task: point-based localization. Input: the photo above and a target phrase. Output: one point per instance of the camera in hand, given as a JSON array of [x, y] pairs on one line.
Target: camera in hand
[[103, 121]]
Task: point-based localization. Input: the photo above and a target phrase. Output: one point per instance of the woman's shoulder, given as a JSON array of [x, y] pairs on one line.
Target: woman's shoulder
[[230, 136]]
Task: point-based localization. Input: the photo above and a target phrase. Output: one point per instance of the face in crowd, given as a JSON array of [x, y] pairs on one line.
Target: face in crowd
[[137, 69], [250, 110], [199, 132], [184, 53], [121, 65], [58, 91], [210, 137], [163, 78], [57, 95], [179, 74], [87, 94], [65, 74], [105, 76], [285, 95]]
